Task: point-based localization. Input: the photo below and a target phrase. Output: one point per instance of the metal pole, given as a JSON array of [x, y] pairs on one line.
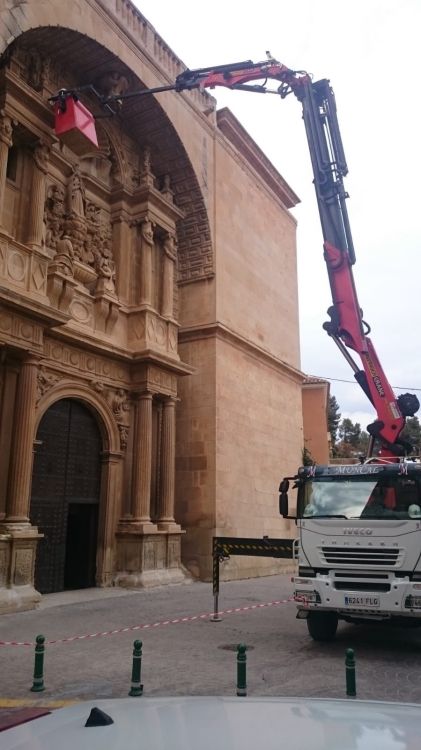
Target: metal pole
[[38, 682], [215, 582], [241, 670], [136, 686], [350, 673]]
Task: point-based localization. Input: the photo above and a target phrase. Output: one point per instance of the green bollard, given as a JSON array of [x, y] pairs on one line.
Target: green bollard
[[137, 687], [350, 673], [241, 670], [38, 683]]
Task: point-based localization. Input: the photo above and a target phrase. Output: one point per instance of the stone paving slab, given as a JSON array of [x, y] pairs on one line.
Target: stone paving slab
[[198, 657]]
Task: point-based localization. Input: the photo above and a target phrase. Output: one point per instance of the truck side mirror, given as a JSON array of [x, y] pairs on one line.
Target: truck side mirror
[[283, 497]]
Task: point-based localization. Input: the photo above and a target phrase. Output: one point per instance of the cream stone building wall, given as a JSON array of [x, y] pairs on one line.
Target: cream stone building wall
[[246, 430], [148, 316]]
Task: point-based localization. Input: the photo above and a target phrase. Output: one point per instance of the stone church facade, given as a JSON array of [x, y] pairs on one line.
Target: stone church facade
[[150, 384]]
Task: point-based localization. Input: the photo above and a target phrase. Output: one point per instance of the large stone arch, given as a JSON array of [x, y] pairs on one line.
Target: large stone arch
[[111, 472], [86, 40], [93, 401]]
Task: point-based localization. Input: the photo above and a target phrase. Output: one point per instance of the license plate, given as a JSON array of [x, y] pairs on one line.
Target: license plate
[[362, 601]]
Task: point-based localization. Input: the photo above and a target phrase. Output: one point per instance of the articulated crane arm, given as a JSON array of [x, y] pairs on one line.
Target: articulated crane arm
[[346, 325]]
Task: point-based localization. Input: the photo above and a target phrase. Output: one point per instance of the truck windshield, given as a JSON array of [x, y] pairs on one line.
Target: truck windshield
[[361, 497]]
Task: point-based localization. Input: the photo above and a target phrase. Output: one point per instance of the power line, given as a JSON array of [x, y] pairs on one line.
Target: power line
[[354, 382]]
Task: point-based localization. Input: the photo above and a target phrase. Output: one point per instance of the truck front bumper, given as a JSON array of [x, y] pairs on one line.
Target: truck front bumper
[[326, 592]]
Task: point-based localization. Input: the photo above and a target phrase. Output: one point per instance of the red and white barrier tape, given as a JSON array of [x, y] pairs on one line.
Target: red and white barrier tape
[[150, 626]]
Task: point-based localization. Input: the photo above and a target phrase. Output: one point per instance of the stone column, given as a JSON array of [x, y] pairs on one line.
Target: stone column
[[6, 130], [146, 249], [41, 155], [142, 462], [20, 473], [111, 491], [122, 250], [166, 500], [168, 277]]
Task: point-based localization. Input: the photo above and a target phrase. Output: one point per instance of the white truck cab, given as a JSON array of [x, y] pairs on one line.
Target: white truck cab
[[359, 544]]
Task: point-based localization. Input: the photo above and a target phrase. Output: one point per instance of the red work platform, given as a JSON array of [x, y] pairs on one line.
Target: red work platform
[[75, 125]]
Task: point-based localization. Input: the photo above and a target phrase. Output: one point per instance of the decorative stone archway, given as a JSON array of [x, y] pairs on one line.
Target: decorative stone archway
[[66, 481], [111, 468]]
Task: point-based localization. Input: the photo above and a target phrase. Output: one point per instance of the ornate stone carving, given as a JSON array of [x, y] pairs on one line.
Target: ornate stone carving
[[106, 273], [97, 385], [63, 259], [120, 406], [119, 403], [93, 231], [146, 253], [37, 69], [76, 194], [6, 128], [75, 219], [41, 156], [170, 258], [13, 327], [124, 435], [81, 309], [54, 213], [113, 83], [93, 367], [146, 178], [45, 381], [147, 228], [170, 247], [166, 188]]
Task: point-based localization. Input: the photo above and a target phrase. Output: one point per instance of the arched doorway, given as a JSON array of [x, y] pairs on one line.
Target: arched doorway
[[65, 497]]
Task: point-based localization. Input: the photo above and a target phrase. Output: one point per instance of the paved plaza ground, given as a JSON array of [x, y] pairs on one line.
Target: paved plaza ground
[[197, 656]]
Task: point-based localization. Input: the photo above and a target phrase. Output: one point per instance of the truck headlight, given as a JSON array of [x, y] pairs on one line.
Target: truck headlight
[[308, 597]]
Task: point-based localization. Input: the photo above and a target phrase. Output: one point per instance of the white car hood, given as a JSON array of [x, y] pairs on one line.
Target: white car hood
[[199, 723]]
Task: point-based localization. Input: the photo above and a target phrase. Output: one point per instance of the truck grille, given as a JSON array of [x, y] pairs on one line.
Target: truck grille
[[390, 557], [361, 586]]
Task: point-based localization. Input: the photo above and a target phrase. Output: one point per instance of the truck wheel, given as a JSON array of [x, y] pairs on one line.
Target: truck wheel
[[322, 625]]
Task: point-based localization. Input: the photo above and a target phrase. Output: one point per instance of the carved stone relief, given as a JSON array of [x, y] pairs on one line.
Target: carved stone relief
[[80, 233], [119, 403], [92, 366], [170, 247], [45, 381], [36, 69], [6, 128], [166, 188], [113, 84], [146, 176], [54, 214], [124, 435], [97, 385], [13, 327], [120, 406]]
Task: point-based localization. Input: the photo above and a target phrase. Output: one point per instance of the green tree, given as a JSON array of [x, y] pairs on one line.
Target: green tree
[[349, 432], [353, 440], [363, 443], [412, 433], [333, 419]]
